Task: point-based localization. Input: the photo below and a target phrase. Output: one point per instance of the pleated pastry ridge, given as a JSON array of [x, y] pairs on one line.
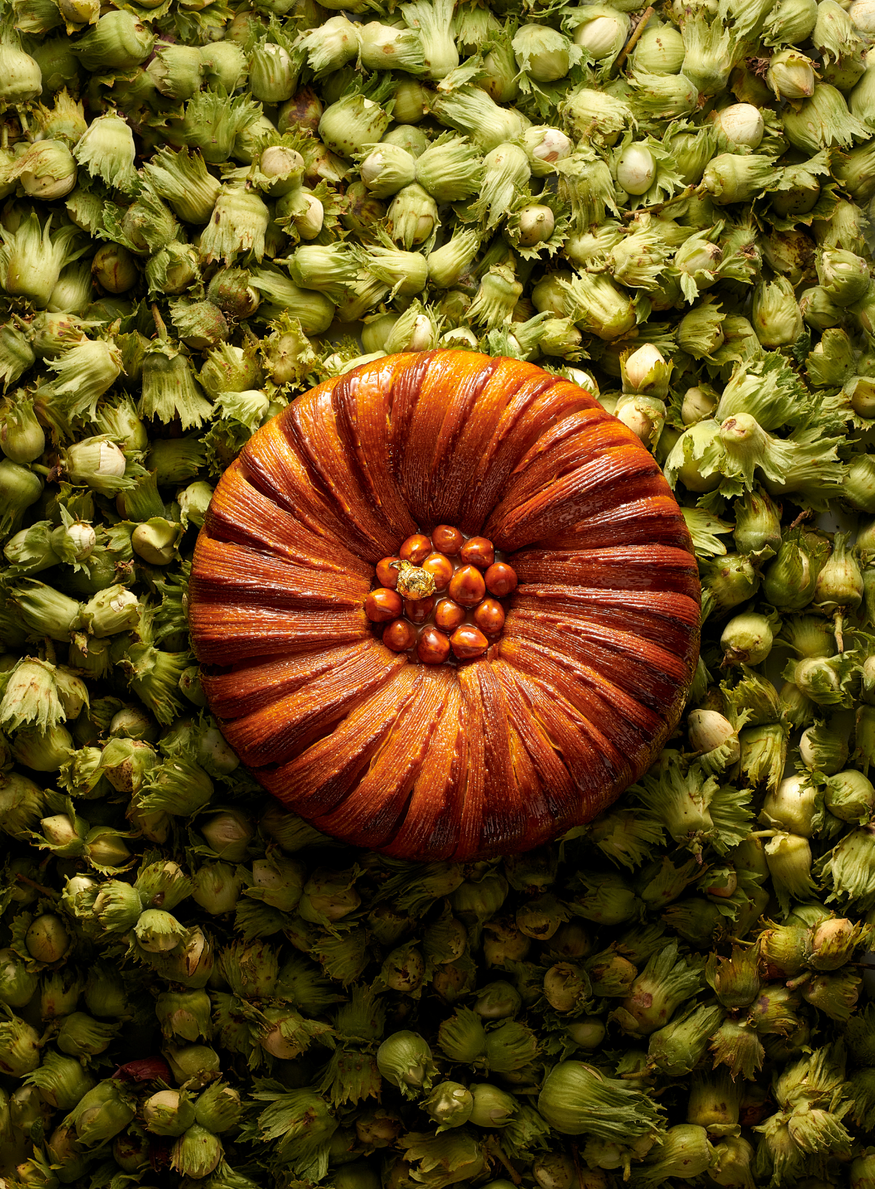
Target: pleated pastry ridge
[[495, 755]]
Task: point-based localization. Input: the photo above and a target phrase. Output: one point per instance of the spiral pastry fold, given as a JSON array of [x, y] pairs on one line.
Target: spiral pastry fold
[[573, 695]]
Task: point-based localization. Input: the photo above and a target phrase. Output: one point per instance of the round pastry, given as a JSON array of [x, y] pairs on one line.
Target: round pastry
[[446, 606]]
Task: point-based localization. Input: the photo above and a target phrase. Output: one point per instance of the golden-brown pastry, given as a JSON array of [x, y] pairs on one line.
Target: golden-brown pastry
[[446, 710]]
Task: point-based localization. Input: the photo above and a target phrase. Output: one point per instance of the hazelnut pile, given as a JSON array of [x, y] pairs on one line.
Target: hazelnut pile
[[440, 596]]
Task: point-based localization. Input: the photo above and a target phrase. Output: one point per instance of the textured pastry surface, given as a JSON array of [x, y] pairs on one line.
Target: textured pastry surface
[[481, 757]]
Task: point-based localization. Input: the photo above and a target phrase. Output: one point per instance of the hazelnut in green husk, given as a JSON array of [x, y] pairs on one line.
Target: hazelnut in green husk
[[168, 1112], [449, 1104], [715, 1101], [748, 638], [196, 1153], [219, 1107], [679, 1046], [685, 1151], [491, 1106], [577, 1099], [831, 943], [406, 1061], [184, 1015], [789, 858], [158, 931], [823, 748], [735, 980], [789, 580], [101, 1113], [764, 753]]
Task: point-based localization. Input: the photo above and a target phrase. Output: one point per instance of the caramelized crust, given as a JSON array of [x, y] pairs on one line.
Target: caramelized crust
[[276, 732], [430, 825], [314, 428], [318, 779], [662, 616], [253, 684], [362, 408], [653, 519], [476, 758], [377, 804], [631, 567], [247, 575], [240, 512], [230, 632], [534, 409]]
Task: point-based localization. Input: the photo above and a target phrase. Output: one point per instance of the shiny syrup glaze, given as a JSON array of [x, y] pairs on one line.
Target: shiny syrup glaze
[[468, 760]]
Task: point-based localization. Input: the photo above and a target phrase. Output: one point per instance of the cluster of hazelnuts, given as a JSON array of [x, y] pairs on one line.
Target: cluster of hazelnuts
[[440, 596]]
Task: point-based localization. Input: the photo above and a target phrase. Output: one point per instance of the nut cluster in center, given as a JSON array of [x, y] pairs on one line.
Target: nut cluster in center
[[440, 596]]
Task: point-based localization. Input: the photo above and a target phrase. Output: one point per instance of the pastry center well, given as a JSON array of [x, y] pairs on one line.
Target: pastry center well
[[440, 597]]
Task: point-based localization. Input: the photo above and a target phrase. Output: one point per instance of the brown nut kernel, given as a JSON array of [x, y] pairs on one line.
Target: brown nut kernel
[[432, 647], [416, 548], [383, 604], [387, 572], [448, 615], [489, 616], [418, 610], [399, 635], [467, 586], [447, 539], [479, 552], [500, 579], [468, 641], [440, 568]]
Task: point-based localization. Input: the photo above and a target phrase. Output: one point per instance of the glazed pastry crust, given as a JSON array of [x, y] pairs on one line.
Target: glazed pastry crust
[[493, 755]]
